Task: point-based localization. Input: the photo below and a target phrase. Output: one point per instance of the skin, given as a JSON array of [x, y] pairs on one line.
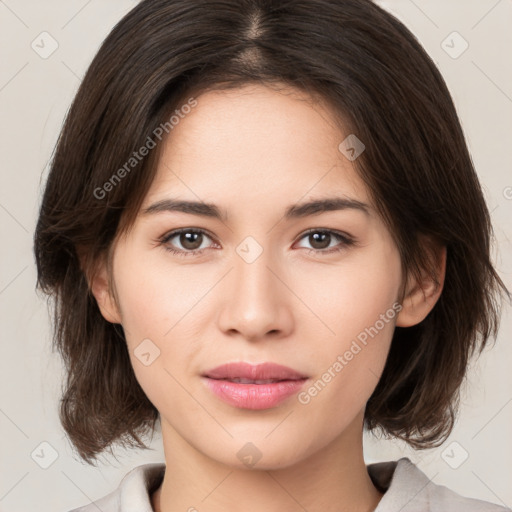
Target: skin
[[253, 152]]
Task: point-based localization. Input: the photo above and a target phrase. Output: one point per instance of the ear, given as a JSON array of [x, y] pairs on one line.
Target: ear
[[100, 288], [421, 295]]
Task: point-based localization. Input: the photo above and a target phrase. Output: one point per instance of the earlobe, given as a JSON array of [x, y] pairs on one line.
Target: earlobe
[[421, 295], [100, 288]]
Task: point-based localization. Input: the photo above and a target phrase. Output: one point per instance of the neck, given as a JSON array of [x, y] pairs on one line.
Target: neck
[[333, 478]]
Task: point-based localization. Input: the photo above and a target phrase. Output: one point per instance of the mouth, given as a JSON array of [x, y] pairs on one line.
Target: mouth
[[256, 387]]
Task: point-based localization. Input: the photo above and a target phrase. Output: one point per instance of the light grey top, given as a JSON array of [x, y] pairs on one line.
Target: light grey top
[[406, 489]]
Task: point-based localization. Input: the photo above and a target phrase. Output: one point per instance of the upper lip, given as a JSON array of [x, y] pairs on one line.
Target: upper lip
[[264, 371]]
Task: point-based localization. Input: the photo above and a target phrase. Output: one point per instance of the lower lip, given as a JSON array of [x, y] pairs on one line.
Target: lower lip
[[254, 396]]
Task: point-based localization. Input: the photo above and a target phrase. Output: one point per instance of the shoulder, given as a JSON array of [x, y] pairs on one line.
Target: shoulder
[[133, 492], [408, 489]]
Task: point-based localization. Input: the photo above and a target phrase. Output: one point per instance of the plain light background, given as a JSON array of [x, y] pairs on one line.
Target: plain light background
[[37, 468]]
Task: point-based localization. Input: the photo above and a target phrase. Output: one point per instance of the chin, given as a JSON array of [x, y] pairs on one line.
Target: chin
[[257, 455]]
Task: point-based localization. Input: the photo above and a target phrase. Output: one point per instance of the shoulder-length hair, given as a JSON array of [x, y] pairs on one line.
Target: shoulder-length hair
[[382, 86]]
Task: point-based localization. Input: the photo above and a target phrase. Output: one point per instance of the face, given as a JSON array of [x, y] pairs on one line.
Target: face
[[314, 290]]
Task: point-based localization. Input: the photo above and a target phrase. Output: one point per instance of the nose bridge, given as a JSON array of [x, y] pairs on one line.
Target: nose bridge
[[255, 301], [254, 280]]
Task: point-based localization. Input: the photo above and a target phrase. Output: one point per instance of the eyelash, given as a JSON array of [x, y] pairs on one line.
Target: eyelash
[[346, 241]]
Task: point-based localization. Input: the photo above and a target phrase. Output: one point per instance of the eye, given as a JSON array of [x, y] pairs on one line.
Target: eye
[[321, 240], [191, 241]]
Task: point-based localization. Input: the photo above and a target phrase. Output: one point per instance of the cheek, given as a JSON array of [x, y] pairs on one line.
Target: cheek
[[361, 311], [366, 294], [155, 300], [348, 299], [160, 313], [151, 310]]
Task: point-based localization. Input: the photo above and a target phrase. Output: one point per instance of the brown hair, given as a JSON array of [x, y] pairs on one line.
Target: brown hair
[[384, 87]]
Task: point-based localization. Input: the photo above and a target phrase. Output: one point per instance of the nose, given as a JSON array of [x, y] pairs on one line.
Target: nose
[[257, 303]]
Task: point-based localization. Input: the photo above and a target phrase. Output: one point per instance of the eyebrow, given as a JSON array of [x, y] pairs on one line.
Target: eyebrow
[[299, 210]]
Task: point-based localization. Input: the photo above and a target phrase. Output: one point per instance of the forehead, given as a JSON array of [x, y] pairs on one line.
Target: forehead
[[254, 147]]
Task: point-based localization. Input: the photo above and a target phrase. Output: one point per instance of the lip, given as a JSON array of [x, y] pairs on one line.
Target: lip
[[272, 384]]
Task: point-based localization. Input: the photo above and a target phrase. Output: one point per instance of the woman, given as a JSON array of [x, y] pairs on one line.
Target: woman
[[262, 227]]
